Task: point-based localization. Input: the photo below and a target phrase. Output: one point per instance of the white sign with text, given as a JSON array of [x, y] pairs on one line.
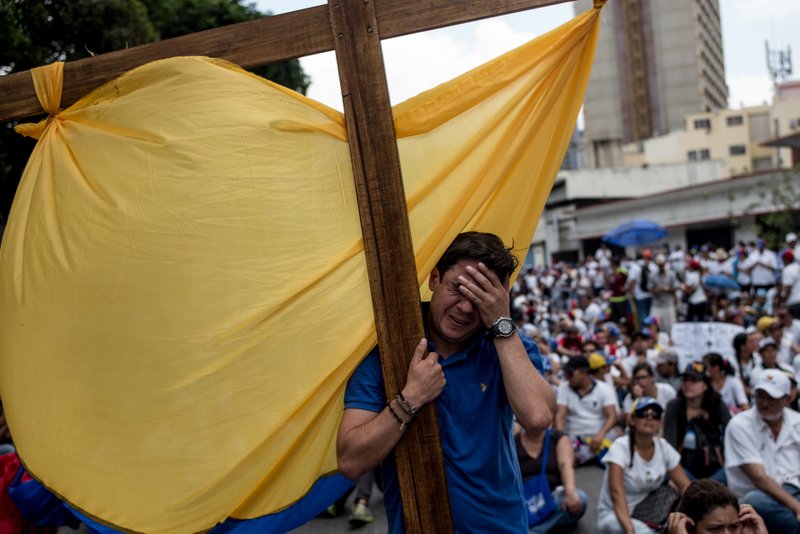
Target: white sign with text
[[692, 340]]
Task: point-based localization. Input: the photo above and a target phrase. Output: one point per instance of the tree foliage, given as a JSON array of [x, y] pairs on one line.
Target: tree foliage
[[782, 198], [37, 32]]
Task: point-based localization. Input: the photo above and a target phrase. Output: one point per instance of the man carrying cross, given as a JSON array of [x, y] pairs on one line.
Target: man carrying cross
[[480, 372]]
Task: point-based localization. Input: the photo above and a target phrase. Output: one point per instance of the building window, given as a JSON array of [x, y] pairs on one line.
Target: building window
[[702, 124], [705, 154], [735, 120], [737, 150], [692, 155]]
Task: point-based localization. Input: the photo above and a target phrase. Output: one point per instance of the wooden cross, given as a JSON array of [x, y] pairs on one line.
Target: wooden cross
[[354, 29]]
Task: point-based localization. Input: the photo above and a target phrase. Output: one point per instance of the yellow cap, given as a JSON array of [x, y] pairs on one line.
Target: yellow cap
[[765, 322], [596, 361]]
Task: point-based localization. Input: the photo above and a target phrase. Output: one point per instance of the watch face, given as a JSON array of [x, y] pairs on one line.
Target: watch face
[[504, 327]]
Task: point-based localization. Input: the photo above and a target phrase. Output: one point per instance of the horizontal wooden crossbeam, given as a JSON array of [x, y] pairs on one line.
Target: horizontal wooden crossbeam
[[253, 44]]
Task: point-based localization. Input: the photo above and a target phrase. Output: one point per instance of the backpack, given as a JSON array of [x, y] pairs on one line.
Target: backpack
[[644, 278], [705, 458]]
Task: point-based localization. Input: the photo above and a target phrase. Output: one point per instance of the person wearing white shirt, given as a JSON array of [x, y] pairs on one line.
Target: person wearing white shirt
[[641, 342], [768, 349], [639, 273], [636, 465], [603, 257], [763, 264], [762, 454], [643, 384], [723, 264], [663, 286], [586, 408], [676, 259], [793, 245], [790, 282], [693, 286], [724, 380]]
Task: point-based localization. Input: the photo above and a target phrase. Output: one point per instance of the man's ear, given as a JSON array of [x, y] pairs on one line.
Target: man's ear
[[433, 279]]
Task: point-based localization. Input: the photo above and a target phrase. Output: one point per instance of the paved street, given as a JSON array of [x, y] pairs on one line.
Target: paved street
[[589, 479]]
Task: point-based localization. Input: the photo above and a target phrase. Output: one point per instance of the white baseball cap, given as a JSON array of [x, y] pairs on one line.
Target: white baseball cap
[[791, 236], [774, 382]]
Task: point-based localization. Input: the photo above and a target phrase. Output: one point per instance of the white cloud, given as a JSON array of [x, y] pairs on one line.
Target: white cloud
[[418, 62]]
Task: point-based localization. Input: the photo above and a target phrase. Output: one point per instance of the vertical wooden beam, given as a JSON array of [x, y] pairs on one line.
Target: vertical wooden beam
[[389, 251]]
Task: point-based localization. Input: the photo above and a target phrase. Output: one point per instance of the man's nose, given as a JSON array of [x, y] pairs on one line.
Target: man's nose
[[465, 305]]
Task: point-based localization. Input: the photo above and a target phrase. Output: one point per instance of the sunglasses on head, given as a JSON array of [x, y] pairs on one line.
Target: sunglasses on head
[[698, 367], [648, 414]]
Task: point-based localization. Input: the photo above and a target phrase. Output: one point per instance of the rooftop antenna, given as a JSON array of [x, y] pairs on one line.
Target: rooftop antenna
[[779, 63]]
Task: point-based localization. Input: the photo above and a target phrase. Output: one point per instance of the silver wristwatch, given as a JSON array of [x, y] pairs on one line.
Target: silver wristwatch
[[503, 327]]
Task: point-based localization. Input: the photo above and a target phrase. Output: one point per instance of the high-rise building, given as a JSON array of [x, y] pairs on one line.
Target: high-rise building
[[657, 61]]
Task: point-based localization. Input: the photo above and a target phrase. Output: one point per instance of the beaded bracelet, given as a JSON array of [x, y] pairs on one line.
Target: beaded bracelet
[[409, 408], [403, 424]]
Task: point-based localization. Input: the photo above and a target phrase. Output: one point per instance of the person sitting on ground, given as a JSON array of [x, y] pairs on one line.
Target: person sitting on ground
[[637, 464], [641, 342], [569, 344], [694, 423], [551, 363], [725, 382], [586, 409], [791, 334], [667, 371], [570, 502], [600, 368], [644, 385], [745, 346], [768, 348], [762, 454], [708, 507], [661, 339]]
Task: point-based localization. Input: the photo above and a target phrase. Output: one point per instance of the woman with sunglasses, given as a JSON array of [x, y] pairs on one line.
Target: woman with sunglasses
[[695, 422], [637, 464]]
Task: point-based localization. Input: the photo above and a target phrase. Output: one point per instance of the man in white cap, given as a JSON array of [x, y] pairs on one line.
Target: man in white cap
[[762, 454]]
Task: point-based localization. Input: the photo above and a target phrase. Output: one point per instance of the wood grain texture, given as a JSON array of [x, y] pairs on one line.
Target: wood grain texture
[[389, 252], [253, 44]]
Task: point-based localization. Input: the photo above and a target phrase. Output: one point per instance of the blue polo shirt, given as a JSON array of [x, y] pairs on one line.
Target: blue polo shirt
[[475, 426]]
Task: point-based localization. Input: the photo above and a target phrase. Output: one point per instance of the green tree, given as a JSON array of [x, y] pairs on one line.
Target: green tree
[[38, 32], [782, 197]]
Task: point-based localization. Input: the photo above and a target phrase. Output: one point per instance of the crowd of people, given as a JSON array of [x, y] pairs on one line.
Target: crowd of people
[[701, 442], [654, 420]]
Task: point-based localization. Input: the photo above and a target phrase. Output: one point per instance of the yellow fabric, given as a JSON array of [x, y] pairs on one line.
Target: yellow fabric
[[48, 82], [184, 290]]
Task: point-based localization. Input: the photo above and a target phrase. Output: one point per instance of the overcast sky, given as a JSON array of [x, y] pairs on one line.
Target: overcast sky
[[418, 62]]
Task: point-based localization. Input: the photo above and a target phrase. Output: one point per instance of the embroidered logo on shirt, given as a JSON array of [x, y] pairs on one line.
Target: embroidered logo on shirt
[[483, 386]]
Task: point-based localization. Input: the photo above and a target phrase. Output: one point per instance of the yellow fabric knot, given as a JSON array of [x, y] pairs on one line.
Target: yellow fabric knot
[[48, 81], [598, 4]]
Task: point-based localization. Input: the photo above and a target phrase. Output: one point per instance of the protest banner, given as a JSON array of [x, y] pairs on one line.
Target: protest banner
[[692, 340]]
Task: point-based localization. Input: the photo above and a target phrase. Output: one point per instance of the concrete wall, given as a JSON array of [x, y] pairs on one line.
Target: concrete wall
[[625, 182]]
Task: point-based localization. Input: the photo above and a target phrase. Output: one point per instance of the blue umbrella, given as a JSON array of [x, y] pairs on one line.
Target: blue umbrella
[[635, 232], [720, 281]]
